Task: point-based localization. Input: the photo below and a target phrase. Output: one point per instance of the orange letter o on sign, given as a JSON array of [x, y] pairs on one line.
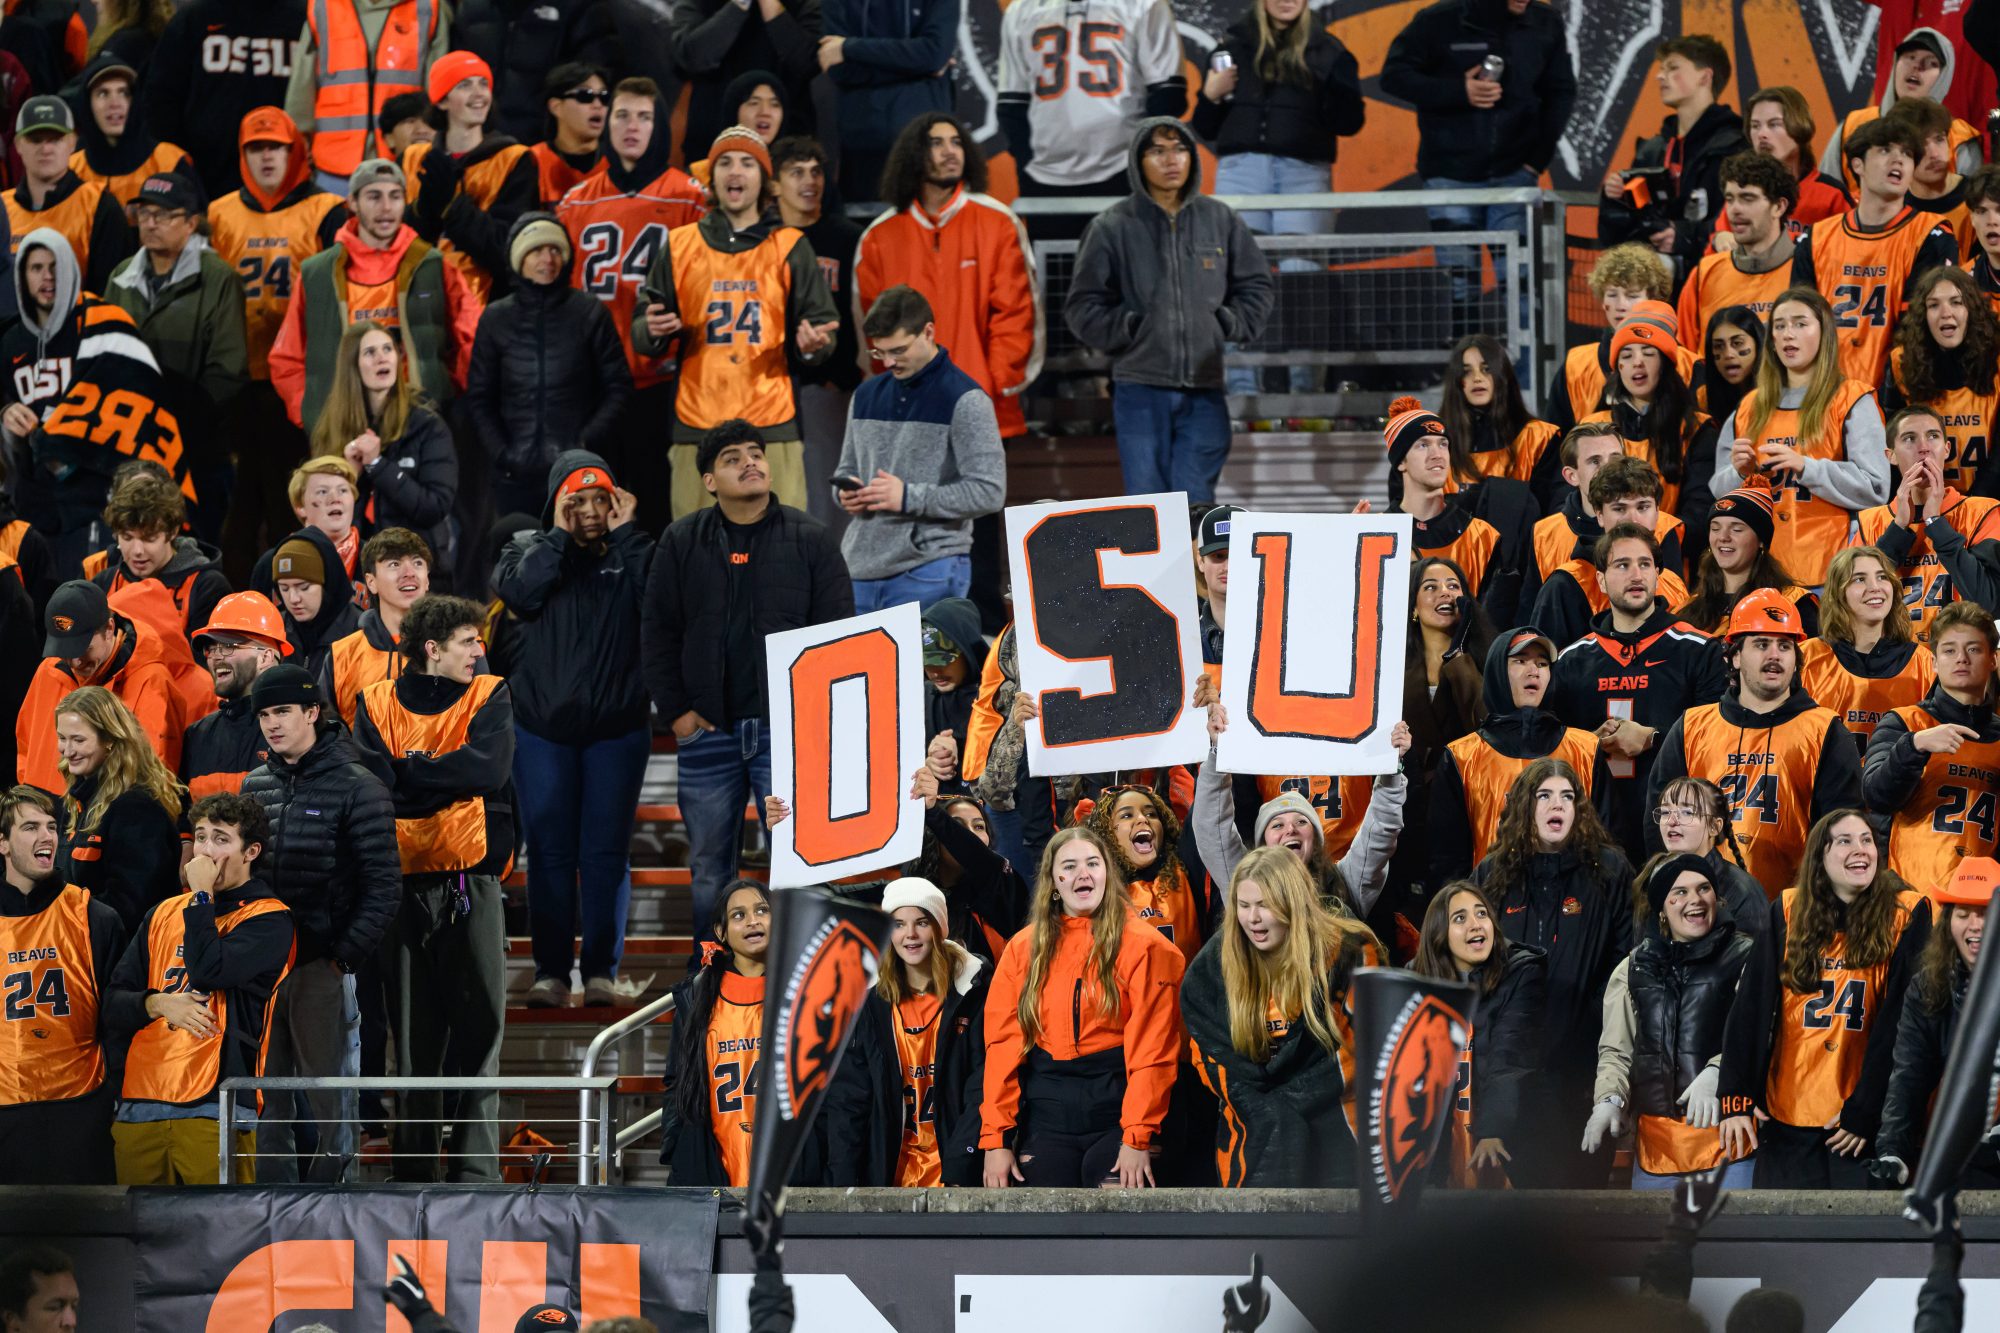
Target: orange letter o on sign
[[817, 836]]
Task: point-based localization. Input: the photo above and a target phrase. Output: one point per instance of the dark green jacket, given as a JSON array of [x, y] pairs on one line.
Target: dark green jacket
[[422, 304], [194, 326]]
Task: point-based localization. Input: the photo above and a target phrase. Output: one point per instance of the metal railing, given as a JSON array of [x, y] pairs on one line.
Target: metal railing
[[608, 1146], [593, 1119]]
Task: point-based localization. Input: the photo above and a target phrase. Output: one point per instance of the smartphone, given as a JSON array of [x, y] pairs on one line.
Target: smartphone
[[847, 483]]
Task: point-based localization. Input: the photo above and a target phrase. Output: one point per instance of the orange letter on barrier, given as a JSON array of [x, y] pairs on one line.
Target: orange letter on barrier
[[610, 1279], [432, 1260], [1275, 711], [285, 1275], [513, 1275], [818, 837]]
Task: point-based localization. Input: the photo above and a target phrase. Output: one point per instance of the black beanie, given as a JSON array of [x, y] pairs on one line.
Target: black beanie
[[1661, 882], [285, 684]]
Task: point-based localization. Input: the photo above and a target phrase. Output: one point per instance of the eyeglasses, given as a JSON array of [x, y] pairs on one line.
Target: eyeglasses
[[591, 96], [1676, 814], [153, 217]]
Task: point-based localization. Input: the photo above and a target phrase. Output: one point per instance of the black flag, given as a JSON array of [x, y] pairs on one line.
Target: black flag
[[823, 959], [1408, 1032], [1965, 1097]]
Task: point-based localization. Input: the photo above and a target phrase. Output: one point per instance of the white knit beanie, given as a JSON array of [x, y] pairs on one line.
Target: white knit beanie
[[914, 891]]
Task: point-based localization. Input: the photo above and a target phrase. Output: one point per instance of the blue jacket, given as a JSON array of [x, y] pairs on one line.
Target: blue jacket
[[889, 71]]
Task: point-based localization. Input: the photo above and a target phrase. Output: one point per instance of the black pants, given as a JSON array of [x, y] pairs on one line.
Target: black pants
[[59, 1143], [1546, 1143], [1795, 1157], [268, 447], [1066, 226], [1069, 1160]]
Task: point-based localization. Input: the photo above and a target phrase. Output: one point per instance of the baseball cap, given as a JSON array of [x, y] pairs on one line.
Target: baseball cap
[[544, 1319], [113, 69], [44, 113], [374, 170], [1921, 41], [170, 189], [939, 648], [76, 612], [1524, 639], [1215, 528]]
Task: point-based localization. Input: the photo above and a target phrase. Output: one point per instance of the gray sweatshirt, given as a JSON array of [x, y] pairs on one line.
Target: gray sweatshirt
[[1365, 868], [1857, 481]]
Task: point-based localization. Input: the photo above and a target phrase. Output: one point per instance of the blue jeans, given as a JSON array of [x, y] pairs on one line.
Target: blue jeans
[[1737, 1177], [1170, 439], [1267, 173], [1463, 261], [926, 585], [720, 771], [578, 804]]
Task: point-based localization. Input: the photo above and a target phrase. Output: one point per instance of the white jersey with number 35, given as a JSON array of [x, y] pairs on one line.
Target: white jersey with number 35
[[1084, 66]]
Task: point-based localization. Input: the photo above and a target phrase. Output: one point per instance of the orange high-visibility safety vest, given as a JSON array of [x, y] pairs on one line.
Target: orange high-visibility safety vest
[[355, 82]]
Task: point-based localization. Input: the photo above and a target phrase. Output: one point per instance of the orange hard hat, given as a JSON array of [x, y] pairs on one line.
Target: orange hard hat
[[1766, 611], [1971, 885], [249, 614]]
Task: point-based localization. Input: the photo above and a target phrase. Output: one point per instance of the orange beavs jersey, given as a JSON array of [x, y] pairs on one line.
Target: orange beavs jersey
[[48, 997], [734, 1038], [916, 1020], [1927, 584], [1717, 283], [616, 237], [1823, 1034], [167, 1064], [481, 184], [1861, 702], [74, 217], [1518, 459], [1583, 373], [1862, 274], [1471, 549], [125, 188], [266, 249], [1486, 774], [1767, 776], [453, 838], [1670, 491], [1556, 540], [1808, 530], [1953, 812], [1167, 905], [734, 308], [1968, 419]]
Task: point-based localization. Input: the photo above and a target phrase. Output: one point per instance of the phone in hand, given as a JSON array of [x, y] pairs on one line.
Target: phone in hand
[[844, 482]]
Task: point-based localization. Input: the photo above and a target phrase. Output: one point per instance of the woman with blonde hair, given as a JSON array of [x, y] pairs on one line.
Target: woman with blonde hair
[[1866, 661], [1083, 1031], [1272, 1030], [121, 807], [1816, 434], [401, 450]]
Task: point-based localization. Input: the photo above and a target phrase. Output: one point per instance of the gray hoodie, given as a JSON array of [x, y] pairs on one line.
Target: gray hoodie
[[1966, 160], [1162, 293]]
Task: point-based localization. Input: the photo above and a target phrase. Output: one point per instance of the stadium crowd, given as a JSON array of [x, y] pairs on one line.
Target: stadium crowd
[[395, 440]]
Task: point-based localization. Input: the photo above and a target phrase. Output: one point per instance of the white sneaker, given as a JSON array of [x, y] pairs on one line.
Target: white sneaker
[[548, 993], [601, 991]]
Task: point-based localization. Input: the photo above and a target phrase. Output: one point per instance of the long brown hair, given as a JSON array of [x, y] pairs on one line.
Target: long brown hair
[[947, 955], [1434, 957], [129, 760], [1107, 931], [1917, 373], [1295, 979], [1509, 410], [1673, 419], [1870, 928], [1939, 965], [1514, 839], [1820, 387], [1836, 622], [346, 412], [1281, 56], [904, 170], [1708, 610]]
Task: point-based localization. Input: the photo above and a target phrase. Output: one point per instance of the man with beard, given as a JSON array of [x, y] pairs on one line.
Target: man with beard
[[55, 1106], [1634, 673], [244, 635], [1781, 760]]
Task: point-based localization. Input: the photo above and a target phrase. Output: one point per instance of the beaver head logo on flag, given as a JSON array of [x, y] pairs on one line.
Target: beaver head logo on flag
[[1409, 1031]]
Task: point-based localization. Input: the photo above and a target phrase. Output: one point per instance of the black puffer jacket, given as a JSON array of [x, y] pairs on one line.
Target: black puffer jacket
[[522, 40], [414, 483], [1507, 1042], [801, 580], [548, 374], [333, 856], [1681, 995], [1426, 67], [573, 644], [1923, 1041], [1287, 118]]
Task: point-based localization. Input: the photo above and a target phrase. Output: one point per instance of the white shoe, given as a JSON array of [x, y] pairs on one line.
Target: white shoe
[[600, 991], [548, 993]]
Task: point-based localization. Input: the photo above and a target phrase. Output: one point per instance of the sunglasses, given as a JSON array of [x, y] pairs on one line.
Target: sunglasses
[[591, 96]]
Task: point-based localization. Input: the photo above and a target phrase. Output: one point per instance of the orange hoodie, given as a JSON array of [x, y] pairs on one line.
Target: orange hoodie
[[137, 673], [367, 268], [1148, 1024]]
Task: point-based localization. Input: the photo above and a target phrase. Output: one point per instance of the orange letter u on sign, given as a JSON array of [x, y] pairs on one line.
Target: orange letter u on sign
[[818, 836], [1276, 711]]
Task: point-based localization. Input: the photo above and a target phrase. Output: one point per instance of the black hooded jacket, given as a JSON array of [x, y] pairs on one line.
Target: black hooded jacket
[[1426, 67], [414, 483], [339, 616], [522, 41], [441, 211], [1716, 136], [1507, 1041], [1288, 118], [574, 639], [1923, 1043], [1893, 772], [137, 143], [951, 710], [716, 41], [216, 62]]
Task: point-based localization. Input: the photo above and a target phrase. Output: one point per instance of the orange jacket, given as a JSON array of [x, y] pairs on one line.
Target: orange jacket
[[151, 603], [136, 673], [971, 263], [1147, 1025]]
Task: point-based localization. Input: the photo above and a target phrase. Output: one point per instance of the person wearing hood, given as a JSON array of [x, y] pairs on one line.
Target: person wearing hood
[[376, 269], [1633, 673], [722, 579], [576, 586], [617, 217], [1923, 68], [548, 371], [1930, 767], [1624, 492], [1665, 1008], [1783, 761], [756, 100], [188, 302], [145, 517], [1163, 279], [737, 354], [53, 410], [715, 42], [1940, 540], [1561, 885], [265, 230], [1671, 194], [903, 1108], [1759, 198], [52, 195], [89, 643], [116, 148], [217, 62], [954, 659], [316, 595], [577, 99], [1944, 360], [243, 638], [469, 184], [1474, 774], [921, 461]]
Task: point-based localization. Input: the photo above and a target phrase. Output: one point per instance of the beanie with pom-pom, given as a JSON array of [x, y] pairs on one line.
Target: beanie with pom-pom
[[1408, 423]]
